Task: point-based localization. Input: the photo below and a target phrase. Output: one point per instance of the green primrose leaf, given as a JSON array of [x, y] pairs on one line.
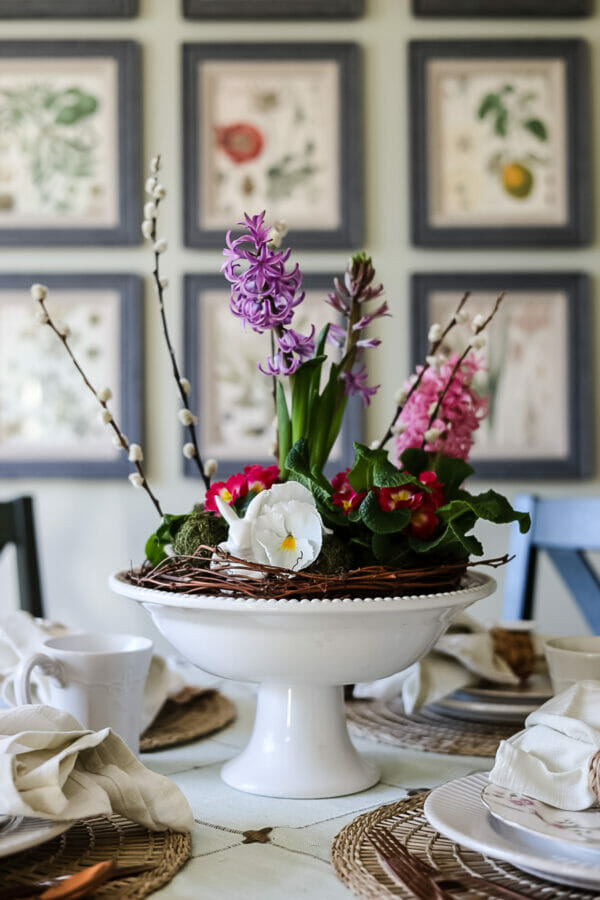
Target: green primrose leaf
[[452, 472], [380, 521], [154, 550], [360, 475], [164, 534], [414, 460], [490, 506]]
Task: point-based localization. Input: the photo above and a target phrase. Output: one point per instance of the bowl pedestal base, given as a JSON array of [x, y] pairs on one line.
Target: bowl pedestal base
[[300, 746]]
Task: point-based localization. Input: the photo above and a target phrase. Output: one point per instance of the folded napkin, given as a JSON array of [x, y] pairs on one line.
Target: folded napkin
[[554, 758], [21, 635], [52, 768], [463, 656]]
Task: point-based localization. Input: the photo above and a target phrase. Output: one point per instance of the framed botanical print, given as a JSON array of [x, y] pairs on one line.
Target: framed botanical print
[[49, 424], [69, 142], [512, 8], [500, 143], [273, 9], [234, 404], [275, 127], [537, 360], [68, 9]]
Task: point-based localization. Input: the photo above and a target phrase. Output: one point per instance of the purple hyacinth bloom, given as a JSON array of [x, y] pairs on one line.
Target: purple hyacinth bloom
[[336, 335], [263, 294], [355, 383], [294, 349], [366, 320]]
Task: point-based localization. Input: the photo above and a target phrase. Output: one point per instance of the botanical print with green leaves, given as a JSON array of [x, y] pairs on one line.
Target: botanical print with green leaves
[[55, 159]]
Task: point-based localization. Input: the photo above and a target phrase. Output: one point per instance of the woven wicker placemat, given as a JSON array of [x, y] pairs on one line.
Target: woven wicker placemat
[[386, 721], [190, 714], [94, 840], [355, 862]]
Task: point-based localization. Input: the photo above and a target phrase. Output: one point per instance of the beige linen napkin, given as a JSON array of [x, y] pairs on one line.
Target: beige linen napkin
[[461, 657], [21, 635], [550, 759], [52, 768]]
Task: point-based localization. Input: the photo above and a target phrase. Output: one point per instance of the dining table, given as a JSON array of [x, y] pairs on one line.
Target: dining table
[[249, 847]]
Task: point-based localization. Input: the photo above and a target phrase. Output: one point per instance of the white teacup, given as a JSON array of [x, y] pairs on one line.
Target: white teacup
[[98, 678], [572, 659]]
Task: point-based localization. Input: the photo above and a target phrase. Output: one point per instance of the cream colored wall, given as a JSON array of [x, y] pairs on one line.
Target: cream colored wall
[[88, 529]]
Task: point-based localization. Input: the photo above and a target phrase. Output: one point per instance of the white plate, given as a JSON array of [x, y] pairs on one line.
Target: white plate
[[19, 834], [581, 828], [456, 810]]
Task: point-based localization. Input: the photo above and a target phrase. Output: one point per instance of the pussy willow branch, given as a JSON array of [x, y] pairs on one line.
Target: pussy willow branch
[[176, 373], [433, 348], [459, 363], [103, 403]]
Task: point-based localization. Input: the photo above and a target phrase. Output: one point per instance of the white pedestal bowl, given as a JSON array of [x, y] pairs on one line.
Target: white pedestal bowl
[[301, 652]]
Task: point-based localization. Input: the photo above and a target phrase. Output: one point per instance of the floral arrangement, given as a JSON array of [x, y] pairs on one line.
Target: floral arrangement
[[398, 524]]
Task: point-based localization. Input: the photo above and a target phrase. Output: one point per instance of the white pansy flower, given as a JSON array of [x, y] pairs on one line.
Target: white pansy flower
[[282, 527]]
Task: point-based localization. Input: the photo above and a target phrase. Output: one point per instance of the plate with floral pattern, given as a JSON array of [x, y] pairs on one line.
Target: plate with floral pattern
[[577, 827], [456, 810]]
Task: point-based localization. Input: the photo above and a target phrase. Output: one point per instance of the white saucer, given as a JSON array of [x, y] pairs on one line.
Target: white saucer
[[18, 833], [456, 810], [580, 827]]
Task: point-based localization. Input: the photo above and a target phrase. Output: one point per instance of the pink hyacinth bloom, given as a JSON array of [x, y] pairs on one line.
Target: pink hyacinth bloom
[[460, 413]]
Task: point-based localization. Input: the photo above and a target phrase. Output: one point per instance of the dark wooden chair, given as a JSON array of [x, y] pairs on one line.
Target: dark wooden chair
[[564, 529], [17, 527]]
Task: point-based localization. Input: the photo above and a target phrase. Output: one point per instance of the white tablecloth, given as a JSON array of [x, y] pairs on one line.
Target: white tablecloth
[[294, 863]]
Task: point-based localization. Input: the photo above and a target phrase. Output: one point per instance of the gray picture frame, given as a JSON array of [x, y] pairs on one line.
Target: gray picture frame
[[68, 9], [578, 228], [127, 231], [510, 8], [273, 9], [347, 57], [579, 409], [194, 286], [131, 417]]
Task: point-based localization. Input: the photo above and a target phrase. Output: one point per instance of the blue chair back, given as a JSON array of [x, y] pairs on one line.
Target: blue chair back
[[564, 530], [17, 527]]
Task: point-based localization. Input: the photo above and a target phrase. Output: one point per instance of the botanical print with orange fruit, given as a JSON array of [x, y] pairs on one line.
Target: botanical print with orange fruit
[[499, 152]]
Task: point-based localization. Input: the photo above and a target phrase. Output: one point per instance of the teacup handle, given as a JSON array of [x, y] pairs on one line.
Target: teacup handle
[[48, 666]]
